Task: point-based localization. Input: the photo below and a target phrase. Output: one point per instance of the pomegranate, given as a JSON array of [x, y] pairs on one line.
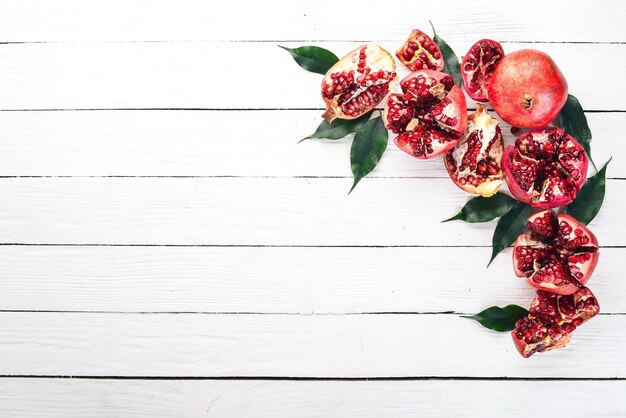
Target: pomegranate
[[557, 254], [474, 163], [527, 89], [430, 115], [358, 82], [420, 52], [545, 168], [478, 66], [552, 319]]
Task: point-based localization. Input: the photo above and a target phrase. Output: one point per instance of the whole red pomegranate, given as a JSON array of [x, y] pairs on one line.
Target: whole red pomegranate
[[420, 52], [552, 319], [474, 163], [478, 66], [545, 168], [527, 89], [358, 82], [430, 115], [557, 253]]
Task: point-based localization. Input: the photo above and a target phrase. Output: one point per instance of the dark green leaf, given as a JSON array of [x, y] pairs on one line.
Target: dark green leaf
[[370, 142], [573, 121], [339, 128], [484, 209], [509, 227], [313, 58], [589, 200], [500, 319], [450, 59]]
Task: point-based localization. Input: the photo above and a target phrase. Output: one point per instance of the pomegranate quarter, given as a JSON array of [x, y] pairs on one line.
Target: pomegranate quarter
[[358, 82], [527, 89], [557, 254], [478, 66], [430, 115], [474, 163], [420, 52], [552, 319]]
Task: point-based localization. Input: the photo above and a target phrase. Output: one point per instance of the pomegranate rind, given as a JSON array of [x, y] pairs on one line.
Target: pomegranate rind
[[451, 103], [555, 249], [415, 62], [565, 151], [476, 81], [490, 155], [527, 89], [378, 59], [554, 319]]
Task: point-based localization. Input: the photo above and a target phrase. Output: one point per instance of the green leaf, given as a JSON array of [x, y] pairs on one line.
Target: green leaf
[[313, 58], [509, 227], [589, 200], [573, 121], [370, 142], [451, 61], [484, 209], [339, 128], [500, 319]]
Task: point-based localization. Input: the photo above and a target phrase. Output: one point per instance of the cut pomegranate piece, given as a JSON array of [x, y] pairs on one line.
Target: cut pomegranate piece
[[545, 168], [358, 82], [557, 254], [420, 52], [430, 116], [474, 163], [478, 66], [552, 319]]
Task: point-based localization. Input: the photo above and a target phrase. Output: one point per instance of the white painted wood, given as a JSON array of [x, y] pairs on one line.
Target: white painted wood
[[207, 74], [253, 211], [206, 143], [293, 345], [47, 398], [276, 280], [119, 20]]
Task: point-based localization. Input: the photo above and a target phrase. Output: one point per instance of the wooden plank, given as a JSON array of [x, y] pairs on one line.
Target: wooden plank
[[67, 398], [292, 345], [204, 143], [274, 280], [65, 20], [253, 211], [190, 75]]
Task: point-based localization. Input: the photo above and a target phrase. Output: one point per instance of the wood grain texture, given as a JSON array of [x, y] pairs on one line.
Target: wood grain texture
[[188, 75], [49, 398], [253, 211], [118, 20], [205, 143], [293, 345], [274, 280]]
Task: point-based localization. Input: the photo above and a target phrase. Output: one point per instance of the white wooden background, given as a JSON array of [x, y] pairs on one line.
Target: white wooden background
[[168, 250]]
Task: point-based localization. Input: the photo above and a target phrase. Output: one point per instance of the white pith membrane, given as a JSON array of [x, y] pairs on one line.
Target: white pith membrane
[[552, 340], [377, 59], [565, 148], [486, 127]]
